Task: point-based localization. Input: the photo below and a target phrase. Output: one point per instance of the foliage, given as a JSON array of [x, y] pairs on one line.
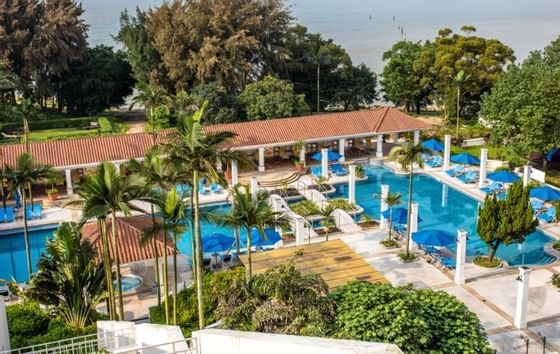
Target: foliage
[[357, 87], [555, 280], [343, 204], [392, 199], [389, 243], [402, 83], [272, 98], [485, 261], [360, 171], [502, 168], [524, 105], [161, 117], [279, 301], [222, 107], [408, 257], [506, 221], [102, 80], [417, 320], [305, 208], [30, 325]]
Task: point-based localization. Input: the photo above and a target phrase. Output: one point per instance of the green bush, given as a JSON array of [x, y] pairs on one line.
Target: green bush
[[80, 122], [555, 280], [484, 261], [305, 208], [417, 320], [502, 168], [343, 204], [556, 245]]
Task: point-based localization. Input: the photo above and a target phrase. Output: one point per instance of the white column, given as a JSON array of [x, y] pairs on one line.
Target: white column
[[234, 173], [4, 333], [520, 320], [302, 154], [219, 166], [526, 175], [384, 206], [117, 167], [299, 231], [352, 184], [414, 217], [379, 152], [483, 166], [461, 254], [341, 149], [447, 152], [261, 159], [69, 187], [416, 137], [325, 162], [254, 185], [444, 192]]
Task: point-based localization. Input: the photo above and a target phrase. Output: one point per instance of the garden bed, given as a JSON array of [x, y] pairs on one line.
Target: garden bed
[[345, 205], [484, 262], [370, 224], [288, 237], [323, 188], [332, 230]]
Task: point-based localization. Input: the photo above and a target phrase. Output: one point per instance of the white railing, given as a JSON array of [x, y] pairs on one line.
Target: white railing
[[76, 345]]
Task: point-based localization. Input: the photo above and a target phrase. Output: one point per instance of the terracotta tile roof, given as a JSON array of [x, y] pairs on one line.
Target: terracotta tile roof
[[92, 150], [130, 231]]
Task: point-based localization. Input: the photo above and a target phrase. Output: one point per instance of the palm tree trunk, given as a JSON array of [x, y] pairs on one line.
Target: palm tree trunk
[[116, 249], [390, 222], [30, 193], [458, 107], [409, 218], [111, 308], [198, 251], [193, 247], [26, 235], [249, 258], [153, 125], [236, 234], [175, 279], [156, 259], [165, 276], [318, 88]]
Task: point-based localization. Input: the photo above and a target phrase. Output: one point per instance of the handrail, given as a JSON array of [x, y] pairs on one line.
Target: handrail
[[86, 341]]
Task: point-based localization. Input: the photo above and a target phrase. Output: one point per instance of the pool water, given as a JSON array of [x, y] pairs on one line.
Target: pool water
[[442, 207], [128, 282]]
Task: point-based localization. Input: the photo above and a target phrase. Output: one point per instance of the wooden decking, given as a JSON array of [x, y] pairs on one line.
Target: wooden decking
[[334, 261]]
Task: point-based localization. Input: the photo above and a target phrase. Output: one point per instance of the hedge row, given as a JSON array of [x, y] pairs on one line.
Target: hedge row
[[81, 122]]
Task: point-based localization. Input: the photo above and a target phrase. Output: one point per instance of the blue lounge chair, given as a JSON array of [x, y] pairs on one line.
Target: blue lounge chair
[[29, 212], [2, 215], [338, 170], [437, 161], [10, 216], [448, 262], [455, 171], [316, 171], [37, 211], [536, 204], [548, 216], [215, 188], [493, 187], [469, 177], [501, 195]]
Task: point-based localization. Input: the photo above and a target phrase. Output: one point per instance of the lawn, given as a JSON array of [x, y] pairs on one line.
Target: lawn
[[494, 152]]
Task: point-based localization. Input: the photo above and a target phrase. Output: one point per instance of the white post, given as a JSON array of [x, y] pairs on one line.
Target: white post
[[526, 175], [483, 166], [117, 167], [302, 155], [520, 320], [4, 333], [234, 173], [261, 159], [69, 187], [254, 185], [384, 206], [395, 137], [379, 152], [444, 192], [416, 137], [219, 165], [299, 231], [447, 152], [461, 254], [341, 149], [414, 217], [325, 163], [352, 184]]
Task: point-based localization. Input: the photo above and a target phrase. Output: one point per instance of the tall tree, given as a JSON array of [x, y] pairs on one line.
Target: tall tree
[[69, 278], [357, 87], [408, 156], [150, 98], [195, 154], [392, 199]]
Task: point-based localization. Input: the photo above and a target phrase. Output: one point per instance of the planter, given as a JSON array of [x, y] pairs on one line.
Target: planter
[[487, 266], [53, 196], [227, 175], [299, 167], [368, 224]]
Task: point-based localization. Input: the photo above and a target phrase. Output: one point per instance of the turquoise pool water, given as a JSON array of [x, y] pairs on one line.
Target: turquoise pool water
[[128, 282], [445, 208]]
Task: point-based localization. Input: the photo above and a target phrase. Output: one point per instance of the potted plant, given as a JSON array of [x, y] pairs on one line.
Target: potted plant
[[52, 179], [299, 166], [227, 173], [297, 149]]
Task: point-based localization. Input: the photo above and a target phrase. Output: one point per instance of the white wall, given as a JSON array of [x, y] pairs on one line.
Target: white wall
[[219, 341], [4, 334]]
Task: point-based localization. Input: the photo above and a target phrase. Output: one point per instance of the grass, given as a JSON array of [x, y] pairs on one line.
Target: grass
[[555, 280], [408, 258], [390, 243], [484, 261], [494, 152], [553, 177]]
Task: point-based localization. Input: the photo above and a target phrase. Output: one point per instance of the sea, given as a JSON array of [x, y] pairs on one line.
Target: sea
[[367, 28]]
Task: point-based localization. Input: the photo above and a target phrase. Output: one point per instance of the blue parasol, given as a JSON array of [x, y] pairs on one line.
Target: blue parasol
[[503, 176], [465, 159], [433, 145], [545, 193], [331, 156], [400, 215], [433, 238]]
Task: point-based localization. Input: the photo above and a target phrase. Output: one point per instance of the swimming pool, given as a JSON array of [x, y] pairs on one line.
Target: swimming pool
[[444, 208], [129, 282]]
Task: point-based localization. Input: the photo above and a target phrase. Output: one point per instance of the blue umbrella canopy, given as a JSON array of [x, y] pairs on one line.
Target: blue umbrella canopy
[[503, 176], [433, 145], [331, 156], [545, 193], [400, 215], [465, 159], [433, 238], [272, 236], [217, 242]]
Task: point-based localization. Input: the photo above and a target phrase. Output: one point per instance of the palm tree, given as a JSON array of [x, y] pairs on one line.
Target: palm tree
[[25, 173], [407, 156], [25, 110], [319, 58], [69, 278], [253, 212], [194, 153], [327, 212], [174, 222], [107, 193], [150, 98], [392, 199], [459, 80]]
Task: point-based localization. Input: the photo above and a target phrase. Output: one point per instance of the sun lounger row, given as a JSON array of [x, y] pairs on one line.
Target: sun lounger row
[[7, 215], [335, 169], [34, 211], [432, 161], [548, 216]]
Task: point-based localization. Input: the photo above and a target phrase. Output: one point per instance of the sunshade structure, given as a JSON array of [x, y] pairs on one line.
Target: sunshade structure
[[331, 156], [433, 238], [400, 215], [271, 237], [545, 193], [503, 176], [217, 242], [465, 159], [433, 145]]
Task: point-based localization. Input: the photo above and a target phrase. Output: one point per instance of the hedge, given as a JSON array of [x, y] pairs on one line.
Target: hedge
[[80, 122]]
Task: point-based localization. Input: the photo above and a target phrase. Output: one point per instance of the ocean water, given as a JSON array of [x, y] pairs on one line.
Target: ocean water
[[367, 28]]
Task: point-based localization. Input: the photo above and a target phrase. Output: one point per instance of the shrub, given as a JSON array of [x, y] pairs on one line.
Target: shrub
[[417, 320], [502, 168], [80, 122], [556, 245], [305, 208], [407, 258], [390, 243], [343, 204], [555, 280], [486, 262]]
